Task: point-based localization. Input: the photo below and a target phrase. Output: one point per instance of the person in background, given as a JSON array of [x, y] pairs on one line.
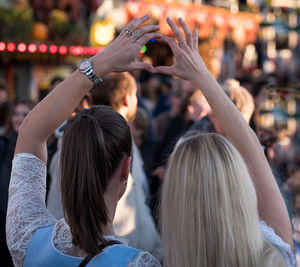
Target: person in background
[[56, 80], [147, 146], [240, 97], [194, 108], [163, 103], [139, 127], [133, 218], [18, 112], [5, 105], [162, 121], [149, 92], [258, 92], [145, 143]]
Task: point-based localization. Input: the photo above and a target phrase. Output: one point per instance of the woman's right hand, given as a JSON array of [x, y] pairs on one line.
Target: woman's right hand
[[188, 63], [120, 55]]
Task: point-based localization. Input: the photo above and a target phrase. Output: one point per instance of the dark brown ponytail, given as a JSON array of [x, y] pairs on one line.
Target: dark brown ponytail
[[94, 143]]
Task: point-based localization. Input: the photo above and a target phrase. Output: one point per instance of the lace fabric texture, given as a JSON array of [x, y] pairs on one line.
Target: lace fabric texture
[[285, 249], [27, 212]]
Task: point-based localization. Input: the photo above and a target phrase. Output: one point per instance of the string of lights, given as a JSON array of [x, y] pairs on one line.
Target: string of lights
[[43, 48], [22, 47]]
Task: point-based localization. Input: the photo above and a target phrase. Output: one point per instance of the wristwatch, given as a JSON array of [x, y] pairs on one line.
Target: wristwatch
[[85, 66]]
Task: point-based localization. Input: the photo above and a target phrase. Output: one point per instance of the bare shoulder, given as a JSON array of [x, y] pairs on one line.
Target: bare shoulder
[[144, 259]]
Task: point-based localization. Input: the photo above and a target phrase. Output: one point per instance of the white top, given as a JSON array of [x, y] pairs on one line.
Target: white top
[[27, 212], [276, 241]]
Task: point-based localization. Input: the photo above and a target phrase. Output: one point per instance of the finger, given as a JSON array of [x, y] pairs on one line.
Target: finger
[[195, 39], [136, 23], [187, 32], [142, 66], [175, 29], [131, 24], [147, 29], [164, 70], [171, 43], [147, 37]]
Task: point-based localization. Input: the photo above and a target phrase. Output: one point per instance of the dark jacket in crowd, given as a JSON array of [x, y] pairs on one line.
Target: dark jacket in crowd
[[7, 148]]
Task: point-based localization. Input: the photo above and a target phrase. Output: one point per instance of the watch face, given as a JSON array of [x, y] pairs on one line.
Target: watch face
[[84, 64]]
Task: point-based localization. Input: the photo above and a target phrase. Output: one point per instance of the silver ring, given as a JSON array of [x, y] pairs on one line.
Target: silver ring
[[128, 32], [138, 41], [181, 41], [137, 34]]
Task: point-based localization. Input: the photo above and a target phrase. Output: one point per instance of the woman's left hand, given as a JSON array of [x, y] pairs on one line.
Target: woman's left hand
[[120, 55], [188, 63]]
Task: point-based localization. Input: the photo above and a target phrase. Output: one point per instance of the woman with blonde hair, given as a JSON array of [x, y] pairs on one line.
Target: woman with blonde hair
[[220, 203]]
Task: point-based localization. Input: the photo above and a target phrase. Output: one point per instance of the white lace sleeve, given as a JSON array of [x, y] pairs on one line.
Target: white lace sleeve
[[276, 241], [144, 259], [26, 210]]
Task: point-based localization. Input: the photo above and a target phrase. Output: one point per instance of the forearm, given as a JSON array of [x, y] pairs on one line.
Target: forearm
[[233, 124], [119, 55], [271, 205], [238, 132], [50, 113], [57, 106]]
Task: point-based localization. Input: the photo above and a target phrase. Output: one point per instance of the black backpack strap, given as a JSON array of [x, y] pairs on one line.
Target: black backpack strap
[[101, 247]]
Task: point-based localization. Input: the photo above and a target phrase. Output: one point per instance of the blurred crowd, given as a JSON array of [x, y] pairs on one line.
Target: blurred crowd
[[168, 107]]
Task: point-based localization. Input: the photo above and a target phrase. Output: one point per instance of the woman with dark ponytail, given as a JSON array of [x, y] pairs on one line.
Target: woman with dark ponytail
[[98, 141], [95, 162]]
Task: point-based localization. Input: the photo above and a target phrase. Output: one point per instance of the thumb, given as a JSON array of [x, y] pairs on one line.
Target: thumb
[[164, 70], [142, 66]]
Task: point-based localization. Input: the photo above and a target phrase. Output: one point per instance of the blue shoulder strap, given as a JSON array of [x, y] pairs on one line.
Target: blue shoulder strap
[[42, 253], [118, 255]]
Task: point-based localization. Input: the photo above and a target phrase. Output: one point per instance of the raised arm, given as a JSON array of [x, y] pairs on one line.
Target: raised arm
[[119, 55], [190, 66]]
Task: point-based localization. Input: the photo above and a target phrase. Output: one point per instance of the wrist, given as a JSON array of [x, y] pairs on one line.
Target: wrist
[[100, 65], [82, 80], [86, 68], [207, 83], [202, 78]]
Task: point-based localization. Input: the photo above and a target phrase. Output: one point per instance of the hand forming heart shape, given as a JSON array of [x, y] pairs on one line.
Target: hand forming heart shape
[[121, 53]]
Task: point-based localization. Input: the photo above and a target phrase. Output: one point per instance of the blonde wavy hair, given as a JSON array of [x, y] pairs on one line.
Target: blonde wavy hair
[[209, 213], [240, 97]]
